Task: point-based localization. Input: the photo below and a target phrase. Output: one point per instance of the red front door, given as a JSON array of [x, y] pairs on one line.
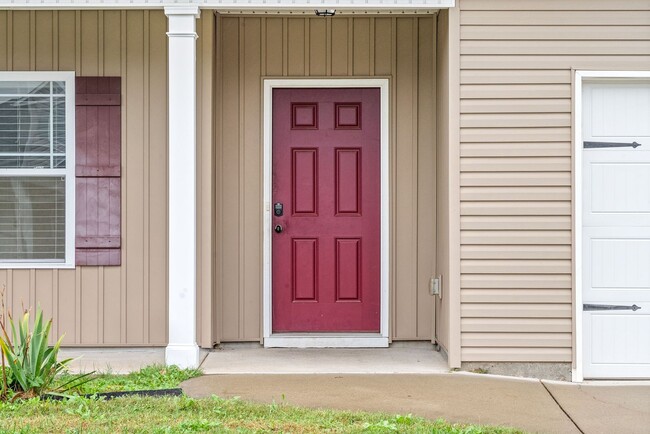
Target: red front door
[[326, 186]]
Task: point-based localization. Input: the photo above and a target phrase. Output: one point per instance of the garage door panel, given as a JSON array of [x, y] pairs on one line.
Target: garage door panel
[[617, 188], [620, 263], [617, 111], [616, 264], [611, 355], [608, 348], [620, 187], [616, 230]]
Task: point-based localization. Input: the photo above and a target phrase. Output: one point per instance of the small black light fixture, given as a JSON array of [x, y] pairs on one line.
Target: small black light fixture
[[325, 12]]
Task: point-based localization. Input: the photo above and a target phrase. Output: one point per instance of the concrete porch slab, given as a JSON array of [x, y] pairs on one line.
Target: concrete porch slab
[[399, 358], [114, 360]]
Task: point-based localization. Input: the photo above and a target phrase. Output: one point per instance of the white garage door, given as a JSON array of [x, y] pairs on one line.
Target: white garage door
[[616, 229]]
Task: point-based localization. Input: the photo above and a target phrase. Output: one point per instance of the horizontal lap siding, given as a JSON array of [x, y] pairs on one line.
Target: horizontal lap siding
[[113, 305], [516, 135]]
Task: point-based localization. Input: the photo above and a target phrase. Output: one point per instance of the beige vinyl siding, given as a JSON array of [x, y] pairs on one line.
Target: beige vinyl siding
[[121, 305], [249, 48], [516, 60]]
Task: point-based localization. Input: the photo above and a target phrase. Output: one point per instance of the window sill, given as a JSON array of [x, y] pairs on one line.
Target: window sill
[[36, 265]]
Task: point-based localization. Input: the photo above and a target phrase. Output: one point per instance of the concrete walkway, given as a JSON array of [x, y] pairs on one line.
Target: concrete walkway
[[530, 405], [402, 379]]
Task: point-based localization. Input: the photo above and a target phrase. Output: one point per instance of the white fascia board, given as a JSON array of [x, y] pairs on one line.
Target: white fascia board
[[240, 5]]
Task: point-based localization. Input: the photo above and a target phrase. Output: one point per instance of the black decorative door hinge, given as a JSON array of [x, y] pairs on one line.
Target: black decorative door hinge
[[591, 307], [593, 145]]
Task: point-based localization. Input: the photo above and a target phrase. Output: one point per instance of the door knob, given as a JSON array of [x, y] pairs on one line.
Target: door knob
[[278, 229]]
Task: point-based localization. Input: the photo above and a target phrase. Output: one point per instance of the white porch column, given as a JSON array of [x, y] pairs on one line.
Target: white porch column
[[182, 349]]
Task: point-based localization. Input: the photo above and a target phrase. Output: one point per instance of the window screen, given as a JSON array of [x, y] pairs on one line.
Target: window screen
[[32, 218]]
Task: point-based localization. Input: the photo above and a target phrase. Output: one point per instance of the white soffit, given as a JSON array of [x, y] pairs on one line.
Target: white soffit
[[239, 6]]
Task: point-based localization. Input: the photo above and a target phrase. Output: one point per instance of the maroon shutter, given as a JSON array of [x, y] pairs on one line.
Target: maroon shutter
[[98, 148]]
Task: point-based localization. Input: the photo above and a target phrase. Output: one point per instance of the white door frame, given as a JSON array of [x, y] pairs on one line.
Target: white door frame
[[321, 340], [580, 78]]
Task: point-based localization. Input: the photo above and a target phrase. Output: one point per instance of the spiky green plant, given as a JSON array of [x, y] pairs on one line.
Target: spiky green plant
[[31, 364]]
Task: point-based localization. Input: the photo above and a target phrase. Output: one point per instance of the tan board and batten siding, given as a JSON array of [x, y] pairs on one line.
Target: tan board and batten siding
[[249, 48], [516, 61], [119, 305]]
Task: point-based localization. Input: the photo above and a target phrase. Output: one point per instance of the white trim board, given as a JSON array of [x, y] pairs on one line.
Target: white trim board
[[243, 5], [326, 339], [580, 77]]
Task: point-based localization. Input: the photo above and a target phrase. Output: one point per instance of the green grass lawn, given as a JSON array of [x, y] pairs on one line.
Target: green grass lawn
[[185, 415], [150, 377]]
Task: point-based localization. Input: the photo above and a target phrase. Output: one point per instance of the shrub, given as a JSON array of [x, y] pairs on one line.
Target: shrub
[[29, 365]]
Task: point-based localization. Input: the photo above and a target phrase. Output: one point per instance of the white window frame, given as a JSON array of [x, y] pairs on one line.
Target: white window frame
[[69, 172]]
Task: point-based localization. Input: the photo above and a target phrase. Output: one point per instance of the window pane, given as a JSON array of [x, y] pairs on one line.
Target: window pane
[[58, 87], [59, 161], [24, 87], [32, 122], [25, 124], [32, 219], [22, 162], [58, 125]]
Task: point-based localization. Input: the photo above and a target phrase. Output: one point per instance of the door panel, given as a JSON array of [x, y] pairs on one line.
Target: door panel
[[607, 174], [617, 260], [616, 231], [617, 344], [326, 175]]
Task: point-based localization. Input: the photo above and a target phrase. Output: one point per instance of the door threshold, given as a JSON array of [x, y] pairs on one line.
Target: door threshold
[[326, 340]]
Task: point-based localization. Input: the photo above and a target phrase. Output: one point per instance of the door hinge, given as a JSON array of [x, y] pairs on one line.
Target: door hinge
[[435, 285], [592, 307], [592, 145]]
